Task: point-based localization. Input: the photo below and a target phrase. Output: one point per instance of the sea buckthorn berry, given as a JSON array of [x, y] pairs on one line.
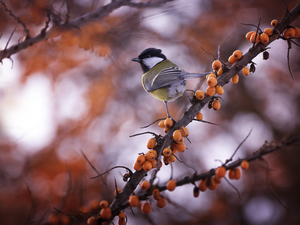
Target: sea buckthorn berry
[[221, 172], [255, 37], [217, 179], [244, 165], [210, 91], [231, 174], [150, 156], [220, 72], [245, 71], [268, 31], [162, 124], [117, 191], [264, 38], [237, 173], [167, 151], [161, 203], [219, 90], [168, 123], [216, 105], [105, 213], [151, 143], [141, 159], [210, 75], [212, 82], [154, 163], [103, 204], [153, 152], [156, 194], [177, 135], [166, 160], [184, 131], [121, 221], [232, 59], [91, 221], [147, 166], [146, 208], [199, 116], [211, 184], [203, 185], [122, 215], [248, 35], [289, 33], [180, 147], [166, 129], [145, 185], [216, 65], [172, 158], [196, 192], [274, 23], [297, 32], [235, 79], [171, 185], [237, 54], [199, 94], [181, 140], [133, 201]]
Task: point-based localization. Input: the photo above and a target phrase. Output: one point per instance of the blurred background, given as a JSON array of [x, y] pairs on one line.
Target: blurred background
[[80, 91]]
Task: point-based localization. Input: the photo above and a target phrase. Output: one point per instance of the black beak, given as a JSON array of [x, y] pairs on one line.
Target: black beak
[[135, 60]]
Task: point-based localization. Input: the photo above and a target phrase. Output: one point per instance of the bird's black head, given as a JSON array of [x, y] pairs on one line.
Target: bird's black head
[[149, 58]]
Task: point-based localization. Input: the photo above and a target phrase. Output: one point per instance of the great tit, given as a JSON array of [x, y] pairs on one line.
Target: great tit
[[163, 79]]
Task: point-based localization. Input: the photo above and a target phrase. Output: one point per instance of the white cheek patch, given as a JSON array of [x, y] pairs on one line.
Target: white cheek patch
[[150, 62]]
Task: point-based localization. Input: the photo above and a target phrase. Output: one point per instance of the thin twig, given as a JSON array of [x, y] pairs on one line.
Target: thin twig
[[153, 123], [234, 187]]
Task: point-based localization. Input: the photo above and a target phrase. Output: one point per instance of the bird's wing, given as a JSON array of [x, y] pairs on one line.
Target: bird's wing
[[166, 77]]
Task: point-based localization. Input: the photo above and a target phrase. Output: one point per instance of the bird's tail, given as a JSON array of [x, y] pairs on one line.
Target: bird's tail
[[188, 76]]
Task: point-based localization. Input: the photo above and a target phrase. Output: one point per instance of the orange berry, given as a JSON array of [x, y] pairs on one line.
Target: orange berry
[[221, 172], [238, 174], [196, 192], [297, 32], [133, 201], [220, 72], [172, 158], [232, 59], [145, 185], [141, 159], [274, 23], [180, 147], [199, 116], [167, 151], [168, 123], [162, 124], [156, 194], [146, 208], [245, 71], [216, 105], [147, 166], [153, 152], [231, 174], [237, 54], [219, 90], [171, 185], [264, 38], [105, 213], [161, 203], [211, 82], [150, 156], [122, 215], [154, 163], [255, 37], [217, 179], [216, 65], [212, 185], [199, 94], [244, 165], [177, 135], [91, 221], [121, 221], [248, 35], [103, 204], [268, 31], [151, 143], [203, 185], [210, 75], [235, 79], [166, 160], [184, 131], [210, 91], [289, 33], [118, 191]]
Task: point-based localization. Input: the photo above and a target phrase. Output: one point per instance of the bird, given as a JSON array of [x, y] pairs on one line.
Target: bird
[[162, 78]]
